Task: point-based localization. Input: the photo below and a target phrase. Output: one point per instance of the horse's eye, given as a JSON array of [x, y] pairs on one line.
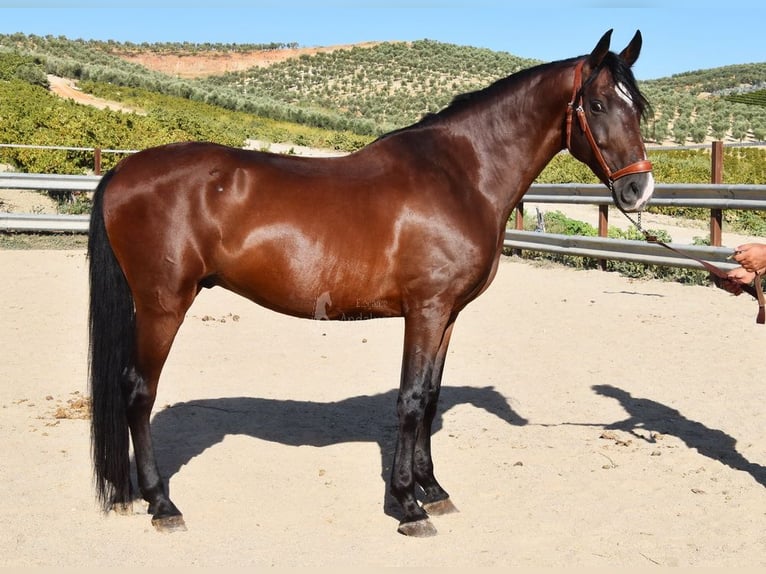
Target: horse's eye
[[597, 107]]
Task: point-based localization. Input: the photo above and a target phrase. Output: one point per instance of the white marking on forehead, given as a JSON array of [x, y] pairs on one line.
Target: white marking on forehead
[[624, 94]]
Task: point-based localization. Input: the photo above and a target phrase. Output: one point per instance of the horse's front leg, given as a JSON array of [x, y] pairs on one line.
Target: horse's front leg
[[436, 500], [412, 462]]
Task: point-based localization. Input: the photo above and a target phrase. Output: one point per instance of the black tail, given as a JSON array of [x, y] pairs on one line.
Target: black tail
[[112, 333]]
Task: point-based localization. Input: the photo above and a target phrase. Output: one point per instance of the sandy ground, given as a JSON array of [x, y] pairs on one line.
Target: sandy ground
[[586, 420]]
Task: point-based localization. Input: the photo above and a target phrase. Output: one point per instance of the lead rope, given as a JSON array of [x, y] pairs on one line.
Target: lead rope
[[718, 276]]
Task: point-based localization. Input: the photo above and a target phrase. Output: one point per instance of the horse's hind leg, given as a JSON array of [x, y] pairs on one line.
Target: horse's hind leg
[[156, 327]]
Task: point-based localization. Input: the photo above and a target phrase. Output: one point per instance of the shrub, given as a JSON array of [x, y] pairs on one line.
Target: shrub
[[557, 222]]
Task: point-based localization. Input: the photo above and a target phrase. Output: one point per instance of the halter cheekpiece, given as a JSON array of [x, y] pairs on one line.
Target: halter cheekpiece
[[575, 106]]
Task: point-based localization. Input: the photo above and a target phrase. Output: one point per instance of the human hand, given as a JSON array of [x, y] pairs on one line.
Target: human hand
[[741, 276], [752, 256]]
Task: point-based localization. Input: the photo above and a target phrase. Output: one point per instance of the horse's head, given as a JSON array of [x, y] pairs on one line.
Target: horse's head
[[603, 123]]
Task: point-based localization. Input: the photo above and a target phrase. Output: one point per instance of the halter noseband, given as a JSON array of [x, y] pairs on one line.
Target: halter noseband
[[575, 106]]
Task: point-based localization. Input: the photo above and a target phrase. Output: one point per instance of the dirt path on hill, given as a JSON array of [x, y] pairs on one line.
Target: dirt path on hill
[[67, 89]]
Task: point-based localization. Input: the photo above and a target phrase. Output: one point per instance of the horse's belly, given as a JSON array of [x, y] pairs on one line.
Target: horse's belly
[[304, 280]]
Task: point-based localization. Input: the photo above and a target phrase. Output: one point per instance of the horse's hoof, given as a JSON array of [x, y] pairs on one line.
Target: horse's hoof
[[418, 529], [440, 507], [122, 508], [170, 524]]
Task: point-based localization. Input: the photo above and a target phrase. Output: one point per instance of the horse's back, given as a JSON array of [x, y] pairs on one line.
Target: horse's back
[[253, 222]]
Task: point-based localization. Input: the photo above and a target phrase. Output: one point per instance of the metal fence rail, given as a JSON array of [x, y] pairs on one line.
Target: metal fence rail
[[48, 182], [708, 196], [26, 222], [704, 195], [617, 249]]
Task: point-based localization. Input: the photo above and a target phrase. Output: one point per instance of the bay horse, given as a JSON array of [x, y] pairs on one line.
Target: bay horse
[[411, 226]]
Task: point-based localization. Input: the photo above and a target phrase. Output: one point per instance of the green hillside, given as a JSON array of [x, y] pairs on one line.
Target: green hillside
[[693, 106], [388, 85], [341, 99]]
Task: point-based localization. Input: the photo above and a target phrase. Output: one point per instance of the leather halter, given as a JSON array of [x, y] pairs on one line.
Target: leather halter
[[719, 277], [575, 106]]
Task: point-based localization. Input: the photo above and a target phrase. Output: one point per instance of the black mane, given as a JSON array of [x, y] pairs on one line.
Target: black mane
[[621, 73], [460, 101]]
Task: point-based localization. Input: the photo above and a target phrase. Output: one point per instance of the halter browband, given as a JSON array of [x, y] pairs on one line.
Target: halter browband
[[575, 105]]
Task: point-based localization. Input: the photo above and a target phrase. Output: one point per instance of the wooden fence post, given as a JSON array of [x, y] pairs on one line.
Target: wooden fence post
[[603, 229], [519, 224], [716, 176], [97, 161]]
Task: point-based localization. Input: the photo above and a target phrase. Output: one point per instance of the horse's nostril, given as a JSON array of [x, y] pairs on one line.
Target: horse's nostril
[[630, 193]]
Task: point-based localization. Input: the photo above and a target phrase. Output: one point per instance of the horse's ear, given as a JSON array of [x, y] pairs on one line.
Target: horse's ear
[[598, 53], [630, 54]]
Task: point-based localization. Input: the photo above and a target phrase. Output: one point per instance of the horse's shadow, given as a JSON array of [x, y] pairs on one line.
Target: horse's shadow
[[651, 415], [185, 430]]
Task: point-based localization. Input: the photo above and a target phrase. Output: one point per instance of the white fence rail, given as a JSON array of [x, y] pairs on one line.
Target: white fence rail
[[708, 196]]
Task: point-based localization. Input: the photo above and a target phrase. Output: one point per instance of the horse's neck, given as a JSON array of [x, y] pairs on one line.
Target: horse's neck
[[515, 139]]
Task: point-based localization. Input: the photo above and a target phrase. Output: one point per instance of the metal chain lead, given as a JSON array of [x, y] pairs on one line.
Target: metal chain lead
[[637, 224]]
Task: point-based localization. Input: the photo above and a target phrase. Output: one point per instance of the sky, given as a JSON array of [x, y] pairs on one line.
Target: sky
[[679, 35]]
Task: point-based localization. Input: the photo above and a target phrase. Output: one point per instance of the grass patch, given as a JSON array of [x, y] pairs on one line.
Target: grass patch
[[43, 241]]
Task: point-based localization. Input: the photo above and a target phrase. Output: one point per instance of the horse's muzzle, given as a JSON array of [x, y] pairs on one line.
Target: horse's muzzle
[[632, 192]]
